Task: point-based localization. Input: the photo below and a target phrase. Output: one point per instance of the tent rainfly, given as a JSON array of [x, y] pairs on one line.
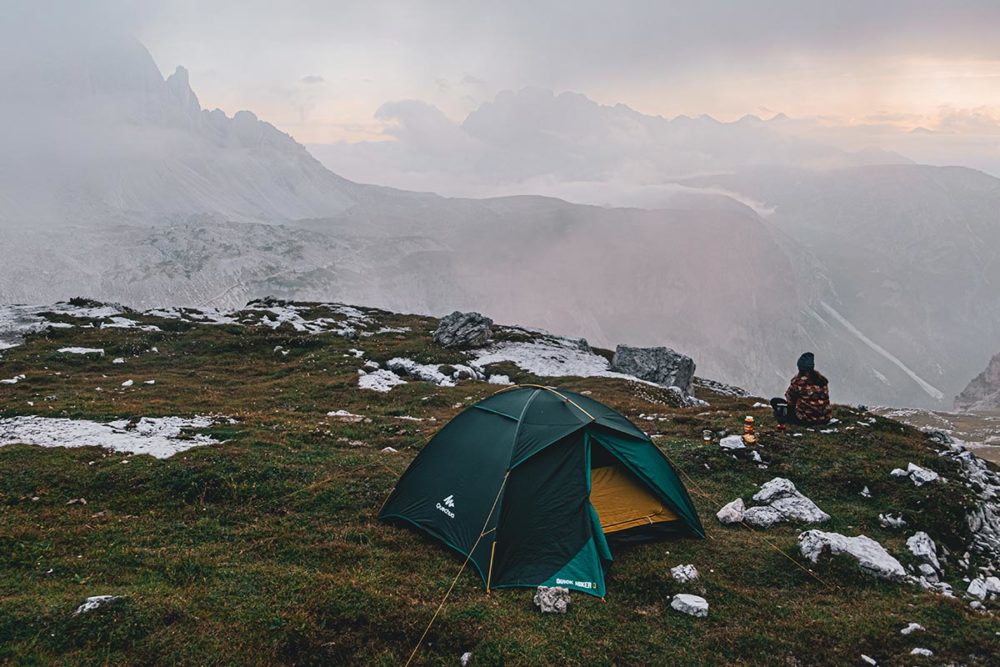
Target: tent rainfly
[[533, 483]]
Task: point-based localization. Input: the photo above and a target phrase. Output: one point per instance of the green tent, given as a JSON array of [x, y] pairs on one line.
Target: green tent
[[535, 482]]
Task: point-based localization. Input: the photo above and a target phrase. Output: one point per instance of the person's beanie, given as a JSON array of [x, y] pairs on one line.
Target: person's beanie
[[807, 362]]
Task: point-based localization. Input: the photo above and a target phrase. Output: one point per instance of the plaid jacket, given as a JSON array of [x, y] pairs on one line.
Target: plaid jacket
[[809, 398]]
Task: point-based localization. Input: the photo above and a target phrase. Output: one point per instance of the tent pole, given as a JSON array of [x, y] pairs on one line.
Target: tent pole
[[489, 575]]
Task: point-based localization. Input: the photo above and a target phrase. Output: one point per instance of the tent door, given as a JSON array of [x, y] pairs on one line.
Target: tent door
[[622, 502]]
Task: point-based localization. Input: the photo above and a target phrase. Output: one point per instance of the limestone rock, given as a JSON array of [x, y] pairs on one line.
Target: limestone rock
[[731, 512], [872, 557], [463, 330], [94, 602], [655, 364], [911, 628], [921, 476], [781, 495], [552, 599], [684, 573], [692, 605], [762, 516], [922, 546]]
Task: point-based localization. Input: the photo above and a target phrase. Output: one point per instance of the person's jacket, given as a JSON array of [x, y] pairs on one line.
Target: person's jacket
[[808, 398]]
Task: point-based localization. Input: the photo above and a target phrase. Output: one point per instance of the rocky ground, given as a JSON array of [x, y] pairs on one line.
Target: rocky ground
[[231, 517]]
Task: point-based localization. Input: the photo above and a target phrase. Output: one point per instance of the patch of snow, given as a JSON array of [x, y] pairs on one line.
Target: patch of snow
[[160, 437], [932, 391], [126, 323], [82, 350], [13, 380], [118, 360], [344, 415], [379, 380], [424, 372], [551, 356], [500, 379]]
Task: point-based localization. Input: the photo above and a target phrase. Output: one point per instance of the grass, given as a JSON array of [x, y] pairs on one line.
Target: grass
[[265, 549]]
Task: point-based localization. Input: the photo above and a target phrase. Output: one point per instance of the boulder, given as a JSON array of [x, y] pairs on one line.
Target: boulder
[[731, 512], [922, 546], [921, 476], [872, 557], [655, 364], [463, 330], [781, 495], [684, 573], [762, 516], [692, 605], [890, 521], [552, 599]]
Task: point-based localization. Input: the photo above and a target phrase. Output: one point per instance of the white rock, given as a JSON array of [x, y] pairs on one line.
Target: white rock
[[928, 572], [756, 457], [118, 360], [731, 512], [977, 588], [762, 516], [684, 573], [899, 472], [732, 442], [921, 476], [388, 450], [926, 652], [465, 659], [911, 628], [868, 660], [872, 557], [692, 605], [552, 600], [781, 495], [865, 493], [128, 383], [890, 521], [93, 602], [922, 546]]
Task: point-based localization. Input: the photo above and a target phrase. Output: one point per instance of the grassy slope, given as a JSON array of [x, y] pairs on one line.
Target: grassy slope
[[264, 550]]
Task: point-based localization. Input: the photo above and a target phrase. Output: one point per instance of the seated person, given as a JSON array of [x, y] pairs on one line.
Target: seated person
[[807, 401]]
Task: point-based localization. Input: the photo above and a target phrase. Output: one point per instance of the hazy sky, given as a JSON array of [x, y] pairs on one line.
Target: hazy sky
[[320, 69]]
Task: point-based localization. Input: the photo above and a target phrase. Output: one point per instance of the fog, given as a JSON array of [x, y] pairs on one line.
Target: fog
[[759, 224]]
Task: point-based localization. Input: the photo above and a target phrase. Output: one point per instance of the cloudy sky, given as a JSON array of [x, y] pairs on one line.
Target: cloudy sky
[[320, 69]]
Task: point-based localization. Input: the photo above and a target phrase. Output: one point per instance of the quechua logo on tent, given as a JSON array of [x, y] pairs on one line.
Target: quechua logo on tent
[[449, 504]]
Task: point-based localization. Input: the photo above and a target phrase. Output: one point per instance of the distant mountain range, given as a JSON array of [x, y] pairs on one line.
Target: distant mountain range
[[115, 184]]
